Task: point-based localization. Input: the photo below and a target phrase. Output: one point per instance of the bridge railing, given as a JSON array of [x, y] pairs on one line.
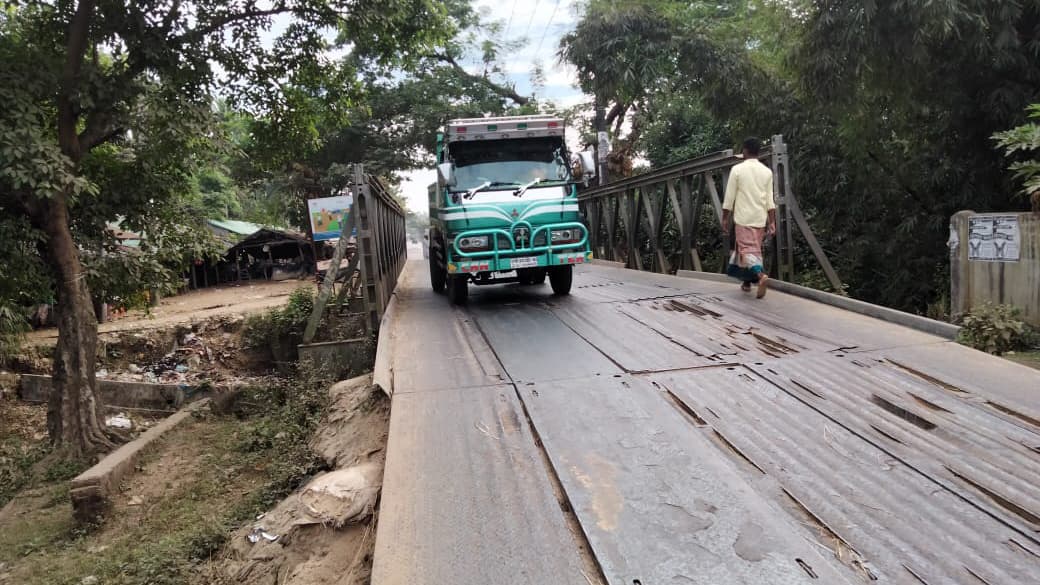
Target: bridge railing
[[381, 252], [632, 215], [382, 243]]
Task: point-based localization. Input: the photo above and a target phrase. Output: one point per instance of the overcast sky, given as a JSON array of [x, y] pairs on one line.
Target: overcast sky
[[541, 23]]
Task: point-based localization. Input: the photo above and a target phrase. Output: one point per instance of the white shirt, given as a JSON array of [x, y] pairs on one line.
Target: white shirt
[[749, 193]]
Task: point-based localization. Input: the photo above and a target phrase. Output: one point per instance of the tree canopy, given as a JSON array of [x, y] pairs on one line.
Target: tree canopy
[[109, 115], [151, 116], [888, 106]]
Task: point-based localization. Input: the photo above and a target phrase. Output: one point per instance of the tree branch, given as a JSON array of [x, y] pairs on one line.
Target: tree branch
[[227, 19], [171, 16], [501, 90], [614, 113], [97, 135], [75, 53]]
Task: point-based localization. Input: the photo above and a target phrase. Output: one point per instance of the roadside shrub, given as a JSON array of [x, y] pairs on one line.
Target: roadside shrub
[[994, 329], [286, 321], [280, 419], [13, 326], [280, 330], [16, 464]]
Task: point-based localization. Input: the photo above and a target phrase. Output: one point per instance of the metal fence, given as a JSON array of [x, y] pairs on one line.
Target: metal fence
[[382, 243], [379, 254], [632, 216]]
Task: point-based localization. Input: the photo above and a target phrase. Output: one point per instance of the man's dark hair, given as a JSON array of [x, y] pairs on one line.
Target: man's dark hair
[[753, 146]]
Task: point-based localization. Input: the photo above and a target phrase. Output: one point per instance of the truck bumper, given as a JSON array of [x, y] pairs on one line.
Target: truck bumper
[[513, 257]]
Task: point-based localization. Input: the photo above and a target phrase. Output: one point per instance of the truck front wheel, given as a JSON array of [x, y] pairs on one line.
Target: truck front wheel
[[458, 289], [560, 278], [437, 273]]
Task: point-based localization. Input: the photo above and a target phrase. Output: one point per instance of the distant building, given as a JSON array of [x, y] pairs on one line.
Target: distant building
[[232, 230]]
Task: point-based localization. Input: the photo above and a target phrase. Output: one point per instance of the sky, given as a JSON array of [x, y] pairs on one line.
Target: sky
[[541, 23]]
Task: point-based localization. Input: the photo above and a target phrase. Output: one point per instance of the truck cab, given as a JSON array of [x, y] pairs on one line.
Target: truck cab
[[505, 207]]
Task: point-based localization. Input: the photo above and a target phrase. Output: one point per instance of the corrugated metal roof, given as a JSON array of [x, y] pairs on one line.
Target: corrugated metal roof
[[243, 228]]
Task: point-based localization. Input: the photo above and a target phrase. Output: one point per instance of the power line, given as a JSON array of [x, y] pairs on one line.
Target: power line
[[530, 20], [546, 30], [505, 33]]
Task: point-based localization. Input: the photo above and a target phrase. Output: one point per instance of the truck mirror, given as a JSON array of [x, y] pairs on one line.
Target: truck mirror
[[446, 173], [588, 163]]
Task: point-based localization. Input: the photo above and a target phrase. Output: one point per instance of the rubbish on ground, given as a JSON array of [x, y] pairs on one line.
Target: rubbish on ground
[[180, 368], [341, 497], [102, 373], [135, 501], [134, 369], [258, 532], [119, 421]]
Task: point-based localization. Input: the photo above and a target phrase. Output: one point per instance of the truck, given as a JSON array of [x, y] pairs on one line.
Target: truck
[[505, 206]]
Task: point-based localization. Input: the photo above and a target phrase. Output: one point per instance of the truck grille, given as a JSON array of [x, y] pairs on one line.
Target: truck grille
[[522, 237]]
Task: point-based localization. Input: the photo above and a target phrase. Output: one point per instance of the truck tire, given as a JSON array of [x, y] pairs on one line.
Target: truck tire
[[560, 278], [437, 273], [458, 289]]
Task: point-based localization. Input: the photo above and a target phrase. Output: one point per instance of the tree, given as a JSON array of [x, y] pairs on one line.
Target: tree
[[1023, 139], [888, 108], [77, 77], [395, 109]]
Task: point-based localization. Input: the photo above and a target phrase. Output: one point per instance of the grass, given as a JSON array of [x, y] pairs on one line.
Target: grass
[[1029, 358], [204, 480], [22, 446]]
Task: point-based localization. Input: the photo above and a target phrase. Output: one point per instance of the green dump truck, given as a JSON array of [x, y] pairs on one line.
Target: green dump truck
[[505, 205]]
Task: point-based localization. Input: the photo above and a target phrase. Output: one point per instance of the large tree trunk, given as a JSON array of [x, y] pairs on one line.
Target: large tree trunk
[[74, 411]]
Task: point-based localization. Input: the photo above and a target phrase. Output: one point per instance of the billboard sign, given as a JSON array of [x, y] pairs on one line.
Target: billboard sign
[[328, 214]]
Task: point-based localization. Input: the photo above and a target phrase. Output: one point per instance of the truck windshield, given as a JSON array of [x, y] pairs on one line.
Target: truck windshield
[[512, 162]]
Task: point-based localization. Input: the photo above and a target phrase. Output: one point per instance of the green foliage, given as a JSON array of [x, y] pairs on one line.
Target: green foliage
[[64, 469], [25, 280], [994, 329], [13, 326], [282, 417], [887, 108], [16, 464], [1024, 139], [286, 321]]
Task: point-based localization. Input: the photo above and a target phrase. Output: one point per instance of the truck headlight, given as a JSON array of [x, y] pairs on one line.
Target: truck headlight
[[473, 243], [565, 236]]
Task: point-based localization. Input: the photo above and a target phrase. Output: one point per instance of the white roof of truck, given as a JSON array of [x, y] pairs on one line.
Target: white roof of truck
[[468, 129]]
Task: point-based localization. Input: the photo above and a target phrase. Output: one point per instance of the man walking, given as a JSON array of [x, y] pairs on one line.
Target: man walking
[[750, 210]]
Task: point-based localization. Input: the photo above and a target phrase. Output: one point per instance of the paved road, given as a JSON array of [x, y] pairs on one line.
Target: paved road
[[654, 430]]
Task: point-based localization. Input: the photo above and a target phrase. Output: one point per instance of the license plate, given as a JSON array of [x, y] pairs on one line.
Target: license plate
[[529, 262]]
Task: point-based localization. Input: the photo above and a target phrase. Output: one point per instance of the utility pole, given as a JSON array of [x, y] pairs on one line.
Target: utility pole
[[602, 141]]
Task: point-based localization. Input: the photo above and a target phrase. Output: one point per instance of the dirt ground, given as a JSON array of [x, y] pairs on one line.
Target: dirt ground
[[196, 305], [185, 516], [353, 436]]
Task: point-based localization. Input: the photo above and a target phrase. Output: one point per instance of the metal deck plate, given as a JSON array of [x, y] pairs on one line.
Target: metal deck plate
[[657, 502], [887, 519], [466, 498]]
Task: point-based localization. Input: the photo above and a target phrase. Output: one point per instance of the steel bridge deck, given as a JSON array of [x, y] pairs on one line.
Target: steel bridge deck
[[653, 430]]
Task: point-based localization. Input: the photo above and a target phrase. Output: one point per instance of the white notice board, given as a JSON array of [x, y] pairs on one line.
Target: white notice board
[[994, 238]]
